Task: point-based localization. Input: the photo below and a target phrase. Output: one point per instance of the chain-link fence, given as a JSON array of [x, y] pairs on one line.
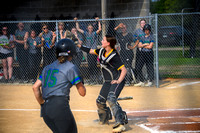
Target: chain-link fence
[[29, 46], [179, 45]]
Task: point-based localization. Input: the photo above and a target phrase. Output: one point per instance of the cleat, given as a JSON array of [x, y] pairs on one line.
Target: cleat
[[118, 129], [116, 125]]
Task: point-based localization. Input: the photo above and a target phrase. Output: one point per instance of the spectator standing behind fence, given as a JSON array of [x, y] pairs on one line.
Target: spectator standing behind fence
[[137, 35], [125, 39], [146, 57], [48, 38], [62, 34], [77, 40], [34, 45], [22, 54], [91, 38], [6, 52]]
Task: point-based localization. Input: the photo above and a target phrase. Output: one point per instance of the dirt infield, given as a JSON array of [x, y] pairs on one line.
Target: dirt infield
[[173, 107]]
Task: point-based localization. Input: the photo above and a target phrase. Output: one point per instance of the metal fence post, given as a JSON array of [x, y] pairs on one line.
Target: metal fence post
[[57, 30], [104, 15], [156, 36]]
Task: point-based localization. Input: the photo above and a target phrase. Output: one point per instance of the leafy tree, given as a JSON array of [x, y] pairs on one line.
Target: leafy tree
[[170, 6]]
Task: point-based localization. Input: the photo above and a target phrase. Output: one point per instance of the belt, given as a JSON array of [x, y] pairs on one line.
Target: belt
[[52, 97]]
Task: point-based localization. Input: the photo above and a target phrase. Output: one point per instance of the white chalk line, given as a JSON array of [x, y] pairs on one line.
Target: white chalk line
[[162, 110], [155, 130], [127, 111], [148, 129], [171, 123], [170, 131], [183, 84], [39, 110], [171, 117], [19, 109], [152, 118], [157, 125], [144, 126]]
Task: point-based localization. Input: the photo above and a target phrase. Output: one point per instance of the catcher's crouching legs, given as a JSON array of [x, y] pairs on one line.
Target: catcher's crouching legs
[[103, 111], [119, 114]]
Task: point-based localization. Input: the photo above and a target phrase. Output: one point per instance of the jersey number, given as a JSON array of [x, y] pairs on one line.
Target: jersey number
[[51, 79]]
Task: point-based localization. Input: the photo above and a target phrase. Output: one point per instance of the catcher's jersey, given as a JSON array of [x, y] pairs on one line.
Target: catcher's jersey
[[110, 64], [57, 79]]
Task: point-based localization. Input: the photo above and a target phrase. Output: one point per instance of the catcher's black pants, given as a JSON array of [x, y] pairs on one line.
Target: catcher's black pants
[[58, 116], [108, 87], [110, 92]]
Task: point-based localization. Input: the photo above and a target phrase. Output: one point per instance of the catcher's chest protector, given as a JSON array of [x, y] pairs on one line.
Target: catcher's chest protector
[[109, 72]]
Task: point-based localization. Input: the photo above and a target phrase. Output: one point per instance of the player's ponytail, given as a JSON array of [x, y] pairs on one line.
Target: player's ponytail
[[62, 59]]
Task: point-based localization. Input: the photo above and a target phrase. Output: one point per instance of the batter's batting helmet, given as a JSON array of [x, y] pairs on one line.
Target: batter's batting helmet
[[65, 47], [147, 27]]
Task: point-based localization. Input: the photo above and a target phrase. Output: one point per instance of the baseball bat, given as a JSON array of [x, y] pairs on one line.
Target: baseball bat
[[125, 98]]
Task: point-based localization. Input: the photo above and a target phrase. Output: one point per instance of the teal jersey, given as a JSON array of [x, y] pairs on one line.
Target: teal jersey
[[91, 39], [47, 39], [138, 34], [32, 48], [57, 79], [20, 36], [148, 39]]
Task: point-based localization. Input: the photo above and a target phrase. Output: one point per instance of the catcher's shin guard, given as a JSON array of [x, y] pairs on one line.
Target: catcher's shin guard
[[103, 112], [109, 115], [124, 118], [119, 114]]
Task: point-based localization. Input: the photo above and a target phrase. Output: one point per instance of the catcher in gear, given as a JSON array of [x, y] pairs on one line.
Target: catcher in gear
[[55, 82], [114, 72]]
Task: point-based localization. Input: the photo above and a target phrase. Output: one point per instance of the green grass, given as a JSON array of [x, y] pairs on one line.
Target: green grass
[[173, 64], [175, 57], [178, 76], [179, 61]]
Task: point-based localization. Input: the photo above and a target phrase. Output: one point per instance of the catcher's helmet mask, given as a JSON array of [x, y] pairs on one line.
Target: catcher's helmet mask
[[65, 47]]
